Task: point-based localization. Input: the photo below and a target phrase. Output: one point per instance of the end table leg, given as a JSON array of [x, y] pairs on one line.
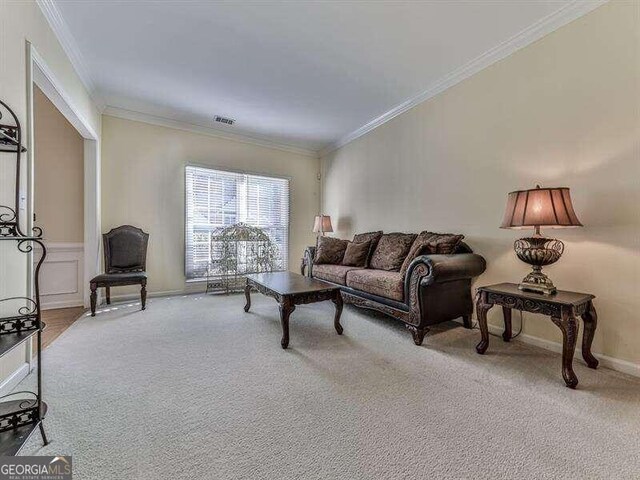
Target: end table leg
[[481, 309], [590, 318], [336, 319], [569, 327], [247, 295], [506, 314], [286, 308]]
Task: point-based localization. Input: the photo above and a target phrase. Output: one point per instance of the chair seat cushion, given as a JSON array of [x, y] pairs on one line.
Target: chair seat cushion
[[332, 273], [119, 278], [377, 282]]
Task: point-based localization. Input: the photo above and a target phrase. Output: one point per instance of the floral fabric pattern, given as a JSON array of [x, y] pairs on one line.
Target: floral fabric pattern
[[332, 273], [391, 251], [429, 243], [330, 250], [374, 237], [357, 254], [378, 282]]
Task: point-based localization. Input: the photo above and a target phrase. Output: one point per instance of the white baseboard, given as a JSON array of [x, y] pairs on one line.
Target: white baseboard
[[50, 305], [616, 364], [14, 379], [192, 287]]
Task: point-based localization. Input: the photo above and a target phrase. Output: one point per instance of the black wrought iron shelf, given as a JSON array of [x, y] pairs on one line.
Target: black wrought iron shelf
[[21, 413], [21, 239], [9, 341], [9, 142], [12, 441]]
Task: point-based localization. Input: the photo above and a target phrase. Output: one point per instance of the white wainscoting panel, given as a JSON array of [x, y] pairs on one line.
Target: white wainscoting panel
[[62, 276]]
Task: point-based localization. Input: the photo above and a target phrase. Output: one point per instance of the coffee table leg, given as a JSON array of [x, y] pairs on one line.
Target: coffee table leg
[[569, 327], [336, 319], [590, 319], [247, 294], [286, 308]]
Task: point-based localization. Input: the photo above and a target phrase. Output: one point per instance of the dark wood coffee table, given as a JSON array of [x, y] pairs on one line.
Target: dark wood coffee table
[[290, 289]]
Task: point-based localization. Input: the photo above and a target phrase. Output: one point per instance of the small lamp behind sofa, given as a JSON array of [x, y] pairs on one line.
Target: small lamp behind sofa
[[322, 224]]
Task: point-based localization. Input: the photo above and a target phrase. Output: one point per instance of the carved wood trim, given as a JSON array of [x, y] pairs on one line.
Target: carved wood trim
[[528, 305], [420, 271], [372, 305], [313, 297], [264, 290]]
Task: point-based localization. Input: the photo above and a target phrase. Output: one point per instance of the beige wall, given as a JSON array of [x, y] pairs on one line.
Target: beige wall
[[59, 173], [143, 185], [564, 111], [22, 21]]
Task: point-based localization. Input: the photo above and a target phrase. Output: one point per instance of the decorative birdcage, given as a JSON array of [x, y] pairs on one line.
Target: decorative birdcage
[[236, 251]]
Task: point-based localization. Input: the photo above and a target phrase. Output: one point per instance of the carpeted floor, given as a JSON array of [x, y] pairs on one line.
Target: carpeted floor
[[194, 388]]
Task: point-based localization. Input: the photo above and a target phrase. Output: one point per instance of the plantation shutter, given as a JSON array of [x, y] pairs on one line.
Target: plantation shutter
[[217, 198]]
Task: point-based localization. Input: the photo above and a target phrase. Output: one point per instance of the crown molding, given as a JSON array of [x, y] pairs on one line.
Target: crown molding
[[69, 45], [209, 131], [534, 32]]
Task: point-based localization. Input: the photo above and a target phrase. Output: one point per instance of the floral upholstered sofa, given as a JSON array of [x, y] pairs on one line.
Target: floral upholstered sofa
[[420, 280]]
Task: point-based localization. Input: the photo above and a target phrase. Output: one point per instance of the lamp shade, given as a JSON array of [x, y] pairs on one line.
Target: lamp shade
[[540, 207], [322, 224]]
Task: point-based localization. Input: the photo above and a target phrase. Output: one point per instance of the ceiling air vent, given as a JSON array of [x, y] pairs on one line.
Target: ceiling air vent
[[225, 120]]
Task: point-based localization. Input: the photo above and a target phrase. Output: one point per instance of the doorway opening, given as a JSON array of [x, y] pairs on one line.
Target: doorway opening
[[59, 211]]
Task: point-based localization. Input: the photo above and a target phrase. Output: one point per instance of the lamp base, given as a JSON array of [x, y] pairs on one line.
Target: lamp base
[[537, 282]]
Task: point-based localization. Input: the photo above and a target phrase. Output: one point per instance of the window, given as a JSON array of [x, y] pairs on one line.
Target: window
[[217, 198]]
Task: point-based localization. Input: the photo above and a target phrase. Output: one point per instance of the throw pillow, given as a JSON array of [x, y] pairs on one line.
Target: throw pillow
[[330, 250], [429, 243], [374, 237], [391, 251], [357, 254]]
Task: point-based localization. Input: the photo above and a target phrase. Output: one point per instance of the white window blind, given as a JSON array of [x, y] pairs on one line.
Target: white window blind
[[217, 198]]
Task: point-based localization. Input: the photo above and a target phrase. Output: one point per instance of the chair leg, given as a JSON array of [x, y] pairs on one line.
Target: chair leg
[[94, 298], [143, 295], [108, 291]]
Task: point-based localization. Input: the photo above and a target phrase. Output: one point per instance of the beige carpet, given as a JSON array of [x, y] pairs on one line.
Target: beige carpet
[[194, 388]]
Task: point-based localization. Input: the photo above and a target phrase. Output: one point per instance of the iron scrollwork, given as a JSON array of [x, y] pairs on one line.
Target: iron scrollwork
[[27, 412], [25, 320], [525, 304], [21, 412]]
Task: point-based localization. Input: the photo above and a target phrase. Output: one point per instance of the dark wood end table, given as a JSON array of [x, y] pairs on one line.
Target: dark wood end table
[[563, 307], [290, 289]]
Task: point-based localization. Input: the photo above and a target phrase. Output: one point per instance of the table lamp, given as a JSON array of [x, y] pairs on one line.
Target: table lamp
[[322, 224], [537, 208]]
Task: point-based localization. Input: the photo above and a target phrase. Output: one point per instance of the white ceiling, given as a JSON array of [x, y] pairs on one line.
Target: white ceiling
[[305, 74]]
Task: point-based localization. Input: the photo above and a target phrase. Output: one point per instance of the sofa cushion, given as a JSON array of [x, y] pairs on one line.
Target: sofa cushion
[[332, 273], [377, 282], [429, 243], [391, 251], [330, 250], [357, 254], [374, 237]]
